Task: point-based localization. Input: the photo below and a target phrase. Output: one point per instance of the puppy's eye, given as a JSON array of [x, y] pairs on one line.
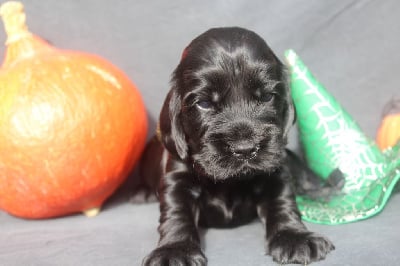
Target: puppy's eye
[[205, 105], [267, 97]]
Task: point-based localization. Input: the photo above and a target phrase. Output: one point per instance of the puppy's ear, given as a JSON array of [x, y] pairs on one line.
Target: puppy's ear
[[172, 135], [289, 116], [289, 113]]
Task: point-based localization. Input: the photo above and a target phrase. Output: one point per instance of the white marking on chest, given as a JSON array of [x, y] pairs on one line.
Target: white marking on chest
[[220, 204]]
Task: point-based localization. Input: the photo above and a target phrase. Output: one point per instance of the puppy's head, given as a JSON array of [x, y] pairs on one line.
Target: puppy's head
[[229, 109]]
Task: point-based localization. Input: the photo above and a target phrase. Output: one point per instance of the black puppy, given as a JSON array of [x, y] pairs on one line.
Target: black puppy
[[219, 159]]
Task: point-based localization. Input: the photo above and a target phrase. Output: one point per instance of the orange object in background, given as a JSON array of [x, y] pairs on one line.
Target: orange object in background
[[72, 126], [389, 130]]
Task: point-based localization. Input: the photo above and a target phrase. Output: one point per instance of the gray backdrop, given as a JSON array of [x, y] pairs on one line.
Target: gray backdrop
[[351, 46]]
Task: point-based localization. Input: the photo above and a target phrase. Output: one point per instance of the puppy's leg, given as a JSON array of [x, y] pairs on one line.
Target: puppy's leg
[[288, 240], [150, 172], [179, 242]]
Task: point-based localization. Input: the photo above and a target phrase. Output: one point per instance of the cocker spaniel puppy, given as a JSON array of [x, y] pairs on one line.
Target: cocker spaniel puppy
[[220, 160]]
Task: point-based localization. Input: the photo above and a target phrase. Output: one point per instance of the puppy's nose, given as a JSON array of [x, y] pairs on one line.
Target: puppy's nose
[[245, 150]]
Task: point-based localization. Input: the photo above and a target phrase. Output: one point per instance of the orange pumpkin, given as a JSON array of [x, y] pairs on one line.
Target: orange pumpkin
[[389, 130], [72, 126]]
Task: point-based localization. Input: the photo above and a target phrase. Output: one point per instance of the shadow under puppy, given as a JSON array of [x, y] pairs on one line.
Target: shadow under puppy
[[220, 160]]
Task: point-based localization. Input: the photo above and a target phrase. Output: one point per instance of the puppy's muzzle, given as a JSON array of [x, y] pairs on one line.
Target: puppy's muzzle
[[242, 142], [244, 149]]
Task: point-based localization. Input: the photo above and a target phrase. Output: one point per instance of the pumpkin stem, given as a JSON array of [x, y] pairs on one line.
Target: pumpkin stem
[[20, 42], [14, 21]]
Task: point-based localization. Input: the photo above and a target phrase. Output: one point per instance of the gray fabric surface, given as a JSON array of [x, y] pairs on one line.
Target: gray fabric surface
[[351, 46]]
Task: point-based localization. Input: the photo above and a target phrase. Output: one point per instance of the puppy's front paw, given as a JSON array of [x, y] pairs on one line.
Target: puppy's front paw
[[177, 254], [290, 246]]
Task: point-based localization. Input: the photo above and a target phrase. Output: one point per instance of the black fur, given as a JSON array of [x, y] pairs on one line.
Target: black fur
[[222, 161]]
